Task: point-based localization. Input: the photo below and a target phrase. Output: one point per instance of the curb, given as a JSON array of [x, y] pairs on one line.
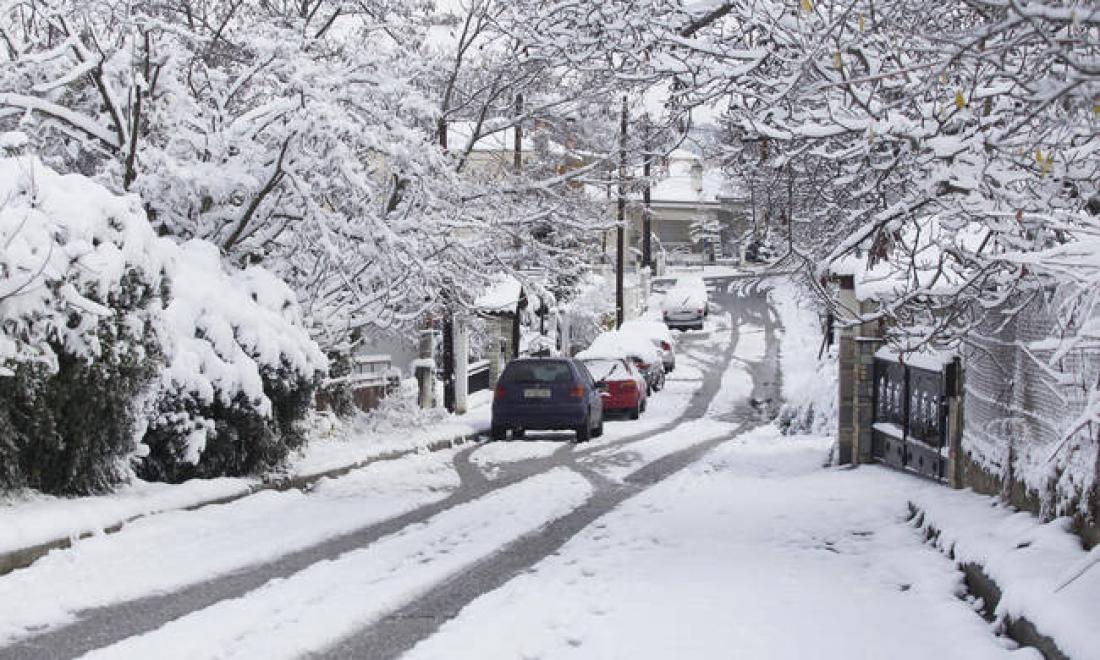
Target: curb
[[22, 558], [979, 584]]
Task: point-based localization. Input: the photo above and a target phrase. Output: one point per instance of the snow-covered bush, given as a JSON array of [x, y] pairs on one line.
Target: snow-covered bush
[[112, 336], [79, 348], [591, 310], [241, 371]]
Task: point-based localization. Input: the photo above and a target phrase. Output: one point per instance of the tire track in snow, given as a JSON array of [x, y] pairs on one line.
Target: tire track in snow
[[401, 630]]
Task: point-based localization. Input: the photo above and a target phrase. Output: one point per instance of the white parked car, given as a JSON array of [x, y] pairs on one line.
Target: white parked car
[[685, 308], [657, 333]]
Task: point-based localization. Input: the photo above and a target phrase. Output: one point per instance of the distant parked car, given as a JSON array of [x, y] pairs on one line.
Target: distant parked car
[[759, 252], [662, 284], [546, 394], [622, 387], [685, 308], [659, 334], [640, 351]]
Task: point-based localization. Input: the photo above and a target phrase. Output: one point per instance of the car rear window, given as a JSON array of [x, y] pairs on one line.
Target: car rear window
[[606, 369], [538, 372]]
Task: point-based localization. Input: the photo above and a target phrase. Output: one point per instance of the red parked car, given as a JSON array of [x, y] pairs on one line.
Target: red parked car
[[622, 387]]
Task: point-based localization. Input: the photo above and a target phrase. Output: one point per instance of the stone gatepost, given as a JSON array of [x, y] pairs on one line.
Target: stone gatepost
[[856, 346], [863, 398], [846, 362]]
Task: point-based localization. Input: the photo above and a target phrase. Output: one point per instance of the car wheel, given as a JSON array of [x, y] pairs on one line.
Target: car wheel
[[598, 431], [636, 412], [584, 432], [497, 432], [518, 434]]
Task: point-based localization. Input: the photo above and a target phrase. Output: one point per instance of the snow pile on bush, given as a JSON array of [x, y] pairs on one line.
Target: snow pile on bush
[[591, 309], [241, 370], [101, 321], [809, 385]]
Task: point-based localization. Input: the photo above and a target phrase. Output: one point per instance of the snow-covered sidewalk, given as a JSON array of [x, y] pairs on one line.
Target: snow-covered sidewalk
[[44, 520], [756, 551]]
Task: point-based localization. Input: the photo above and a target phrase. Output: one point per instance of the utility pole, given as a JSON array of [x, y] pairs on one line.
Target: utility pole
[[517, 148], [517, 168], [450, 401], [790, 209], [647, 213], [620, 248]]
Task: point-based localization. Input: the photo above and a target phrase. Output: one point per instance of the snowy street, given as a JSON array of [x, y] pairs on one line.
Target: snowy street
[[697, 530]]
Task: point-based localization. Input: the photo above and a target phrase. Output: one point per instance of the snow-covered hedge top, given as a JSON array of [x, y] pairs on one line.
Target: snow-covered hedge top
[[65, 238], [225, 327], [68, 239]]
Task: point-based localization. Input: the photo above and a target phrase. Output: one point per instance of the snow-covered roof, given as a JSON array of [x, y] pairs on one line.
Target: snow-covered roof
[[501, 296], [689, 180], [504, 139]]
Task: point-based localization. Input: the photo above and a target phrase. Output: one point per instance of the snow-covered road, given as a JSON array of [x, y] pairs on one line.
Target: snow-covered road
[[697, 531]]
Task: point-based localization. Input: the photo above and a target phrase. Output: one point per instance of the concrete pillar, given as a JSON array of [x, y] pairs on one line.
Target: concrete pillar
[[461, 342], [500, 350], [425, 369], [565, 335]]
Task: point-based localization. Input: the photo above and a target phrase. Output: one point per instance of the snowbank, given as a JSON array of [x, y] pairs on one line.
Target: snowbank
[[1043, 573], [809, 384]]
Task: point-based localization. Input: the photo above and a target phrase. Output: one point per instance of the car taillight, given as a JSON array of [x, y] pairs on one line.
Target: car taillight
[[700, 310], [577, 392], [665, 346], [628, 385], [500, 392]]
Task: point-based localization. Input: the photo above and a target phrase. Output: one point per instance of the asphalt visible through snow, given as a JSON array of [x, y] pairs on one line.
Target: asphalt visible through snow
[[403, 628]]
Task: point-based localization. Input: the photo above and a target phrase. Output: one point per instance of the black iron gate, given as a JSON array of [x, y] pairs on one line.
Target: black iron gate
[[911, 417]]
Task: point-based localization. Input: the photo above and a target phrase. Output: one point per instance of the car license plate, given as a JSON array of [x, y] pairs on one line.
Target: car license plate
[[539, 393]]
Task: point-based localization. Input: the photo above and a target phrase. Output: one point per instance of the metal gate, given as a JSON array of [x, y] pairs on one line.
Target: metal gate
[[911, 417]]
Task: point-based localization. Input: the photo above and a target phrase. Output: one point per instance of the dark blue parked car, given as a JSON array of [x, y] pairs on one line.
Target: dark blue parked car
[[545, 394]]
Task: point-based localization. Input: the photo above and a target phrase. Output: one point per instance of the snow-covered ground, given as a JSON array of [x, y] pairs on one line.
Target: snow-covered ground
[[163, 553], [317, 606], [754, 552]]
